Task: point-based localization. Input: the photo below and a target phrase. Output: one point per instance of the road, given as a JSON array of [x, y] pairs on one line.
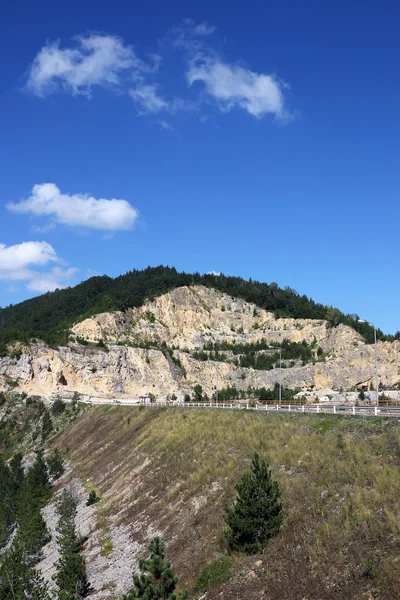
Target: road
[[357, 411]]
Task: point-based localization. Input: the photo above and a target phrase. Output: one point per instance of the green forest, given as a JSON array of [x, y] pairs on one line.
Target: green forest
[[49, 316], [254, 355]]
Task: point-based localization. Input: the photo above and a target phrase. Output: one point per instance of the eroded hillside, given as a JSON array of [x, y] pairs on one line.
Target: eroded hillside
[[172, 471], [156, 349]]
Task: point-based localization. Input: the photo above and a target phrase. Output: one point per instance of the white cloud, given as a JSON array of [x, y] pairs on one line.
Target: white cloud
[[204, 29], [186, 34], [16, 262], [233, 86], [147, 99], [53, 279], [103, 60], [214, 273], [164, 125], [96, 60], [77, 210]]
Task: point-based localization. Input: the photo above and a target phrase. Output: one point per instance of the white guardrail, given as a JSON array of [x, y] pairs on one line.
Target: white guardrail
[[334, 409]]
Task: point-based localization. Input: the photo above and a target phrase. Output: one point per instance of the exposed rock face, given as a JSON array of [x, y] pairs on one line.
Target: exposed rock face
[[185, 319]]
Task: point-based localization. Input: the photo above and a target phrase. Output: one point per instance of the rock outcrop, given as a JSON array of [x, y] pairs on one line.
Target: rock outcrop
[[179, 323]]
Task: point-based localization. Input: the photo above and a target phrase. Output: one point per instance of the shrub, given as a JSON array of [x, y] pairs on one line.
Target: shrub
[[107, 547], [149, 316], [93, 498], [75, 400], [215, 572], [156, 580], [58, 407], [257, 513], [198, 393]]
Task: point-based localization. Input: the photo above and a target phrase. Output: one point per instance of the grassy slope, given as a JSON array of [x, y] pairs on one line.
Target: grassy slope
[[177, 468]]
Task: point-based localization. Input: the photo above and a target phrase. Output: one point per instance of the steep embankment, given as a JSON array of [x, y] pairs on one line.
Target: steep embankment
[[155, 348], [173, 470]]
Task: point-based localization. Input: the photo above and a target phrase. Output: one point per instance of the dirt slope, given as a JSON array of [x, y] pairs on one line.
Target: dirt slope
[[172, 471]]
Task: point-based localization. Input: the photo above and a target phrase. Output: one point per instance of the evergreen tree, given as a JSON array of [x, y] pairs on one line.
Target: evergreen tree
[[17, 471], [17, 580], [55, 464], [71, 576], [58, 407], [257, 513], [36, 483], [156, 580], [7, 503], [32, 531], [47, 425], [198, 393]]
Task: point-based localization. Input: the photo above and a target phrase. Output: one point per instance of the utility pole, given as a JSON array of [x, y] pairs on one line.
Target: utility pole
[[216, 392]]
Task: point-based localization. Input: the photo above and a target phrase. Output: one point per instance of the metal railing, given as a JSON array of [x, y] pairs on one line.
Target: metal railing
[[335, 409]]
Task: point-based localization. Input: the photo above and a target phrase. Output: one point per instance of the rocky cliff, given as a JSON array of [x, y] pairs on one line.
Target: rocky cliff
[[150, 349]]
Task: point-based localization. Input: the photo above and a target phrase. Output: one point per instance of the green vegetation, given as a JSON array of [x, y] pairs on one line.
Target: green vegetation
[[340, 482], [71, 576], [156, 580], [49, 316], [22, 498], [19, 581], [92, 498], [107, 547], [58, 407], [214, 572], [259, 394], [257, 513], [55, 464], [253, 355], [23, 495]]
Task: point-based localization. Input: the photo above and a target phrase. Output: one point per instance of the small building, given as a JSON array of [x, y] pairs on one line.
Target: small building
[[146, 400]]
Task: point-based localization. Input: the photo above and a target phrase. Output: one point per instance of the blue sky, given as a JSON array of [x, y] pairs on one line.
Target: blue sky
[[257, 139]]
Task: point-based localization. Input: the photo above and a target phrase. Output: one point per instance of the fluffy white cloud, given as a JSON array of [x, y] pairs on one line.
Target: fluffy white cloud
[[79, 210], [51, 280], [233, 86], [15, 260], [96, 60], [105, 60], [16, 264]]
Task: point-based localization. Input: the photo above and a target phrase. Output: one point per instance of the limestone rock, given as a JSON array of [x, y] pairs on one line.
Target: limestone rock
[[184, 320]]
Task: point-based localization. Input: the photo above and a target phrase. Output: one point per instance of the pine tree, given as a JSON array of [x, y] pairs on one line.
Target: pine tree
[[71, 575], [47, 425], [55, 464], [156, 581], [17, 580], [257, 513]]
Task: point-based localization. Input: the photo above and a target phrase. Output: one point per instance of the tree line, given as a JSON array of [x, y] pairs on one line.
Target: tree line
[[49, 317], [231, 392], [253, 355]]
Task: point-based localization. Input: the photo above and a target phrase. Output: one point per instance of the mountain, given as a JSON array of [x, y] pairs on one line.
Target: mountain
[[197, 336], [49, 316]]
